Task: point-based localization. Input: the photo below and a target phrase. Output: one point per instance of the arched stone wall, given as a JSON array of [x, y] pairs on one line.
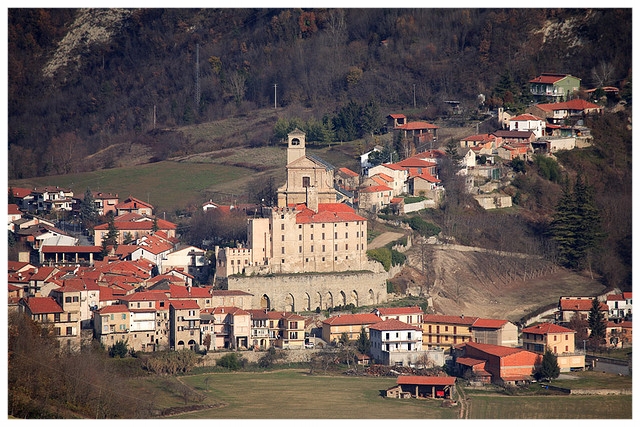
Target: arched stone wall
[[306, 292]]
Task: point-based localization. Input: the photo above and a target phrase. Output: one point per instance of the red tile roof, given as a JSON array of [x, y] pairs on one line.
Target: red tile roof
[[352, 319], [375, 189], [452, 320], [115, 308], [469, 361], [348, 171], [42, 305], [425, 380], [548, 78], [327, 212], [489, 323], [547, 328], [525, 117], [575, 304], [394, 325], [56, 249], [184, 304], [417, 126], [495, 350], [20, 193]]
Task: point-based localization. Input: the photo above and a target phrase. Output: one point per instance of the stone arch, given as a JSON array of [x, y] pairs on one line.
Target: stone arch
[[354, 298], [289, 303], [343, 298], [307, 301], [372, 297], [318, 301], [265, 302], [328, 301]]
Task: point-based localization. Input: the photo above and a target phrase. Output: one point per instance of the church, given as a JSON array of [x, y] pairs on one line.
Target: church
[[308, 232]]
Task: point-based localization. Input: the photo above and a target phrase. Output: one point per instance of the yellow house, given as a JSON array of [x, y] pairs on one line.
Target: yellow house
[[443, 331], [47, 313], [351, 324], [560, 340]]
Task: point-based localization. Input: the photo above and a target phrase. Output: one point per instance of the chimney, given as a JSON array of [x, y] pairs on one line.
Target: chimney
[[312, 199]]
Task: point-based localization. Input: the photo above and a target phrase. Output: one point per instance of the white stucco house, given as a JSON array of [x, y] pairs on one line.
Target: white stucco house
[[395, 343]]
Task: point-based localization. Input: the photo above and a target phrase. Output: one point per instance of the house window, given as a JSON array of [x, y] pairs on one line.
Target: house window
[[282, 226], [282, 237], [346, 235], [69, 330], [299, 236], [306, 181], [323, 249], [336, 247], [67, 299], [282, 249], [566, 348], [346, 247], [299, 249], [323, 233], [336, 235], [311, 248], [311, 237]]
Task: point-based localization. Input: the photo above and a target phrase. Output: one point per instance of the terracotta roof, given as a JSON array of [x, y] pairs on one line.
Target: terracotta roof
[[525, 117], [426, 176], [397, 116], [42, 305], [575, 304], [50, 249], [489, 323], [547, 328], [417, 125], [352, 319], [133, 203], [495, 350], [374, 189], [43, 273], [19, 192], [480, 137], [12, 209], [574, 104], [469, 361], [348, 171], [548, 78], [425, 380], [414, 162], [77, 284], [394, 325], [184, 304], [452, 320], [327, 212]]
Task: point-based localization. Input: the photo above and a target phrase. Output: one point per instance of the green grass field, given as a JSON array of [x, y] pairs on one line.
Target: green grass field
[[550, 407], [293, 394]]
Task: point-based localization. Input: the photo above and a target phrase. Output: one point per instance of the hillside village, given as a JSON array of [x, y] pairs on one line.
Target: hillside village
[[305, 262]]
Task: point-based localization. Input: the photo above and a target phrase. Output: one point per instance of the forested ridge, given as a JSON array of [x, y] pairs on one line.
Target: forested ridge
[[83, 80]]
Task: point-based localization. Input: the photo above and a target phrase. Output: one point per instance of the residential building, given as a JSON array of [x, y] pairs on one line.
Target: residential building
[[620, 306], [111, 324], [351, 324], [495, 331], [411, 315], [78, 297], [292, 328], [149, 328], [14, 214], [50, 198], [133, 205], [570, 306], [374, 197], [494, 363], [554, 87], [47, 313], [395, 343], [134, 226], [445, 331], [184, 325], [619, 334], [260, 332], [528, 122], [559, 340], [105, 203], [559, 113]]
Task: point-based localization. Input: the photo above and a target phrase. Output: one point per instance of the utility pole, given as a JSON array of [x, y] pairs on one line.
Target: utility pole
[[275, 95]]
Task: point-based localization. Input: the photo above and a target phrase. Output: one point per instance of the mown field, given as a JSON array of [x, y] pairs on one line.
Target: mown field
[[293, 394]]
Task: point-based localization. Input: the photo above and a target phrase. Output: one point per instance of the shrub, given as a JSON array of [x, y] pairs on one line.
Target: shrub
[[231, 361], [423, 227]]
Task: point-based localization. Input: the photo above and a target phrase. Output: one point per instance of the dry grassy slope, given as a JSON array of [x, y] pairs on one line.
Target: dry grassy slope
[[489, 285]]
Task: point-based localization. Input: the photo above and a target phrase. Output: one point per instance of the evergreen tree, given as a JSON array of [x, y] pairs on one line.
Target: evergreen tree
[[88, 212], [12, 197], [576, 225], [597, 323], [363, 344], [549, 368], [111, 239]]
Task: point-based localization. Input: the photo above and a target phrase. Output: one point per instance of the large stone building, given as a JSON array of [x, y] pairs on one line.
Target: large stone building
[[308, 232]]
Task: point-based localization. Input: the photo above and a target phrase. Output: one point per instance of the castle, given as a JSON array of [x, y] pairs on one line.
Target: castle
[[308, 233]]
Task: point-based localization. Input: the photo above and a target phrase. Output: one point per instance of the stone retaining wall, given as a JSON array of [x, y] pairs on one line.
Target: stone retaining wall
[[305, 292]]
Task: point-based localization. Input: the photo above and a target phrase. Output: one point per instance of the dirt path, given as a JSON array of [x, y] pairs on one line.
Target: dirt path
[[384, 239]]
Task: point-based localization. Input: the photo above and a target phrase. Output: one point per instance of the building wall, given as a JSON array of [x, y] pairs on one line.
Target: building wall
[[306, 292]]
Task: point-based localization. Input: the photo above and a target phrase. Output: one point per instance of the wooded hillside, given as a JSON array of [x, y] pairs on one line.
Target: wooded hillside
[[84, 80]]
